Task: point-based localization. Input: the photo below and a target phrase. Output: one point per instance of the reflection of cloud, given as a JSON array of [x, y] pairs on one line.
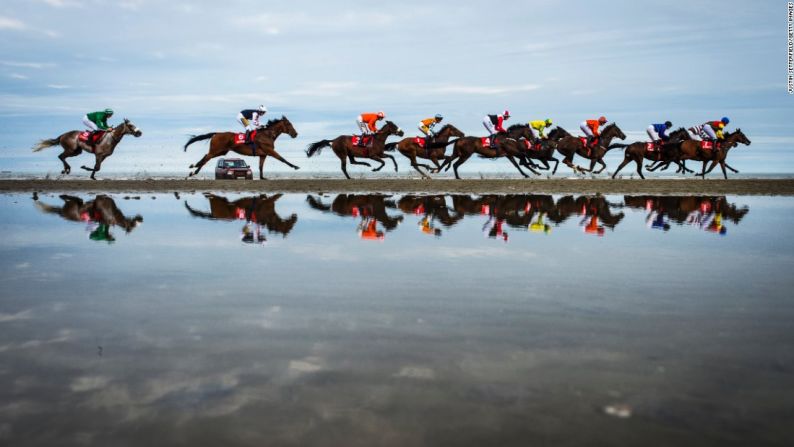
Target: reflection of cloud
[[88, 383], [23, 315], [416, 372], [305, 365]]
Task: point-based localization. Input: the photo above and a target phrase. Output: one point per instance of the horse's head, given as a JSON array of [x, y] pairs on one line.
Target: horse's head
[[680, 135], [519, 131], [739, 137], [612, 130], [391, 129], [281, 125], [131, 129], [558, 133], [450, 131]]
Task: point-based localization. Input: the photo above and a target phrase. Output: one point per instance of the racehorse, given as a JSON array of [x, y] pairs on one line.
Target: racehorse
[[364, 206], [693, 150], [102, 210], [568, 145], [411, 149], [638, 151], [543, 150], [507, 145], [344, 148], [102, 149], [263, 145]]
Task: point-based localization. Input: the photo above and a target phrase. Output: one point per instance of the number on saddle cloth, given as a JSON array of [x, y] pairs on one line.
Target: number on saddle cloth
[[91, 137], [361, 141]]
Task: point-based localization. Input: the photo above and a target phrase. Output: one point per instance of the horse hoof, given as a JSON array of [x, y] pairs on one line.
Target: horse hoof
[[296, 167]]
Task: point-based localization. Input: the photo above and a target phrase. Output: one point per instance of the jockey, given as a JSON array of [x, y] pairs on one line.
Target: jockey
[[367, 122], [249, 118], [591, 128], [710, 130], [538, 126], [659, 131], [719, 127], [96, 121], [493, 123], [426, 125]]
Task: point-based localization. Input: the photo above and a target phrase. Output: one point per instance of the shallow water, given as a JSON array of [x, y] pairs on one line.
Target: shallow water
[[395, 320]]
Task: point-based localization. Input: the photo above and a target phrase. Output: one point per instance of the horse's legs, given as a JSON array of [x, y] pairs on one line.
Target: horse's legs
[[729, 167], [380, 160], [434, 159], [66, 168], [556, 164], [415, 165], [393, 160], [512, 160], [97, 165], [722, 165], [354, 162], [626, 160], [262, 166], [343, 160], [278, 157], [201, 163], [461, 159], [600, 161]]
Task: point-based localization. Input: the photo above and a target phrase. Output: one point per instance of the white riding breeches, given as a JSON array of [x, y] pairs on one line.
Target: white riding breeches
[[489, 126], [363, 127], [652, 133], [90, 125], [709, 132], [586, 129]]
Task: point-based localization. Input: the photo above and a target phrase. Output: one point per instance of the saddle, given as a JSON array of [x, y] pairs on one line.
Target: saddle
[[490, 143], [91, 138], [362, 141], [532, 147], [592, 145], [245, 137], [423, 143], [708, 145]]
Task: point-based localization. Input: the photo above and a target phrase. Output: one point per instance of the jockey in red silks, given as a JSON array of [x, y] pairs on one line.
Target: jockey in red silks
[[495, 124]]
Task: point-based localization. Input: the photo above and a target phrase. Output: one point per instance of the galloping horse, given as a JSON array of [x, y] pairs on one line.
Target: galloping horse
[[263, 145], [543, 150], [344, 148], [692, 150], [638, 151], [568, 145], [260, 210], [102, 149], [411, 149], [507, 145]]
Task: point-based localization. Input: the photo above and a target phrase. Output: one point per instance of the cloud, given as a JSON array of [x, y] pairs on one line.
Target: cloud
[[63, 3], [17, 76], [36, 65], [11, 23], [59, 86], [485, 90], [24, 315]]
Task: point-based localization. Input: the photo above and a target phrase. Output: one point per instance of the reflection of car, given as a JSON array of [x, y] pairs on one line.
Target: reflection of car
[[233, 168]]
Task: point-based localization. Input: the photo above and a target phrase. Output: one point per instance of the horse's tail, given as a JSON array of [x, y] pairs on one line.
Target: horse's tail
[[617, 146], [43, 144], [315, 148], [195, 138], [390, 147]]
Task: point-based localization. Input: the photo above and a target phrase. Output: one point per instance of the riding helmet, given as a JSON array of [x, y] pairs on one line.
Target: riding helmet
[[109, 111], [439, 117], [381, 114], [725, 120], [668, 124], [602, 120], [548, 121], [506, 114], [263, 109]]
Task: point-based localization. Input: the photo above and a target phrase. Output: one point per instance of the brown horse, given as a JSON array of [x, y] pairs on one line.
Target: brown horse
[[679, 209], [568, 145], [101, 210], [344, 148], [507, 145], [543, 150], [692, 150], [102, 149], [263, 145], [433, 151], [261, 210], [638, 151]]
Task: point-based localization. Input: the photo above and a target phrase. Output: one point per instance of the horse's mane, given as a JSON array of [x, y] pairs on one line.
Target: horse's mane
[[517, 126], [445, 127], [274, 121]]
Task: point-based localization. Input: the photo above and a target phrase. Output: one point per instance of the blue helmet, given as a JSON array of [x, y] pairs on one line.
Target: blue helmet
[[725, 120]]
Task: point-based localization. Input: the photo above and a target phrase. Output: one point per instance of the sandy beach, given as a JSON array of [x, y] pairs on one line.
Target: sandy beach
[[574, 186]]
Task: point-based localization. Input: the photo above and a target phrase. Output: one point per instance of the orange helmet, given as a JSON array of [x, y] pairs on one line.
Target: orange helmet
[[381, 114], [602, 120]]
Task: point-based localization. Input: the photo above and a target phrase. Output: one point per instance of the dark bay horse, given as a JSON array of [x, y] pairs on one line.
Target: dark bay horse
[[542, 150], [692, 150], [638, 151], [344, 148], [507, 145], [568, 145], [260, 210], [435, 151], [103, 149], [264, 144]]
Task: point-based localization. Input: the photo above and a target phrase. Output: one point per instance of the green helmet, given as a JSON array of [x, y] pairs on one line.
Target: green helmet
[[548, 121], [109, 111]]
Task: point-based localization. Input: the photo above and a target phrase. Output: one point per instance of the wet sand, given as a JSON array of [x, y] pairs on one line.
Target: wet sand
[[469, 186]]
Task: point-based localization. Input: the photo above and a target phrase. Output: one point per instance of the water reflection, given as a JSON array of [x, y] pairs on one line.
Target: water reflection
[[100, 214], [707, 213], [369, 208], [257, 212]]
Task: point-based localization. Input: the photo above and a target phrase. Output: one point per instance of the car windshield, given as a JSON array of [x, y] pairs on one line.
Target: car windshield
[[234, 164]]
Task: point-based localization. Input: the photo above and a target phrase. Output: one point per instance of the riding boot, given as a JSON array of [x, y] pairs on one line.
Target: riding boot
[[247, 136]]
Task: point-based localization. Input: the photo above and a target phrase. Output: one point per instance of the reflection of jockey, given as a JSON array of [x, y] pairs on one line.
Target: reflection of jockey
[[367, 122], [426, 125], [592, 128], [249, 118], [657, 221], [716, 226], [368, 230], [426, 227], [538, 126], [539, 226], [592, 227], [493, 228], [252, 235], [102, 233]]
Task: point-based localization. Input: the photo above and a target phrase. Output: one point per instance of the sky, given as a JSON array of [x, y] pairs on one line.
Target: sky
[[179, 68]]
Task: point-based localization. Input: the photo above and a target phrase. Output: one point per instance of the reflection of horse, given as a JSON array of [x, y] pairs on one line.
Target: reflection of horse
[[365, 206], [101, 210], [680, 209], [103, 149], [263, 145], [260, 210], [587, 207], [431, 207]]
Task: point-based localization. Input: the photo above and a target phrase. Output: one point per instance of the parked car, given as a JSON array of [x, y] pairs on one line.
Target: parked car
[[233, 168]]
